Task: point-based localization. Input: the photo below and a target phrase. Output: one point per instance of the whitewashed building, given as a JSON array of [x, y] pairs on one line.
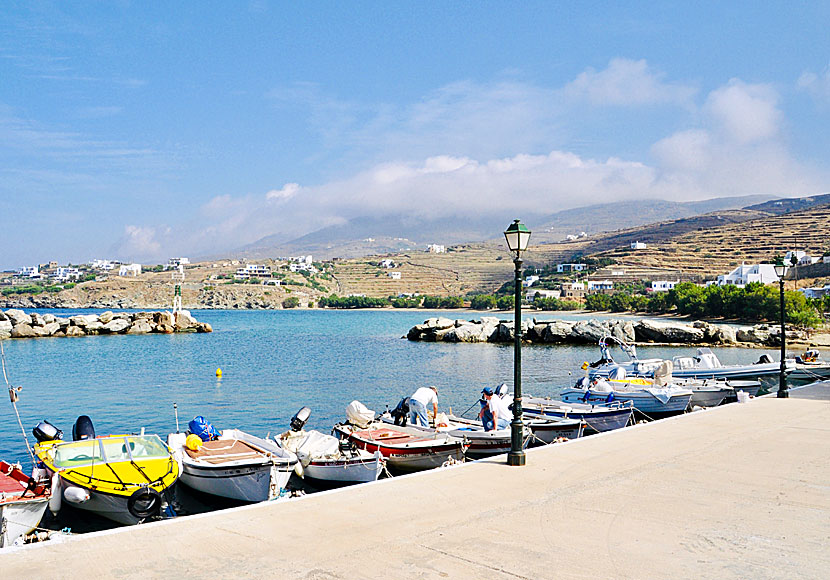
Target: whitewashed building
[[663, 285], [394, 275], [387, 263], [542, 293], [600, 285], [28, 272], [638, 245], [252, 271], [744, 274], [530, 281], [129, 270], [562, 268], [64, 273], [436, 249]]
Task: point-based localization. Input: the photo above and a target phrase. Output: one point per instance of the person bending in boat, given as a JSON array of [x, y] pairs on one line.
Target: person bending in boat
[[494, 413], [418, 402]]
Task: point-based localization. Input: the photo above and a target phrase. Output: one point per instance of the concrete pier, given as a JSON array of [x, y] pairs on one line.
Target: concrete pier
[[741, 491]]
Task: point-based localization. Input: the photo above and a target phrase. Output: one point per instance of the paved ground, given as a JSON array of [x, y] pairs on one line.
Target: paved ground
[[742, 491]]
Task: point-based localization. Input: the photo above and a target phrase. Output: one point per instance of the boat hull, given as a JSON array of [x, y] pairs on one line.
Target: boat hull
[[251, 483], [596, 418], [709, 397], [345, 471], [19, 517], [547, 431], [641, 400]]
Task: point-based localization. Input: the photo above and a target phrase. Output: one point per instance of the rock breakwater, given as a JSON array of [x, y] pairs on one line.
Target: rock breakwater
[[19, 324], [491, 329]]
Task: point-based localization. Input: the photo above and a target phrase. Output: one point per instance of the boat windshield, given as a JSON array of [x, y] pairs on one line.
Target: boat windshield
[[110, 449]]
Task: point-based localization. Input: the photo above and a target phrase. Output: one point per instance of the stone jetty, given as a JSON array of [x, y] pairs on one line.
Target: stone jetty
[[491, 329], [19, 324]]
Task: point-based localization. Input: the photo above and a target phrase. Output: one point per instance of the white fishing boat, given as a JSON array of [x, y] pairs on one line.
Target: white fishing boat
[[809, 368], [23, 501], [327, 459], [234, 465], [705, 365]]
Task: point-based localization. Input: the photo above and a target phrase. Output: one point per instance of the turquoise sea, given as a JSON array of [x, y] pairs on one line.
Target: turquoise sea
[[273, 363]]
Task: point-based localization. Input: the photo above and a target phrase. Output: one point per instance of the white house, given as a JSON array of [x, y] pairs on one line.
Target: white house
[[638, 245], [28, 272], [816, 292], [387, 263], [663, 285], [530, 281], [600, 285], [129, 270], [64, 273], [560, 268], [252, 271], [541, 293], [436, 249], [793, 257], [807, 260], [394, 275], [744, 274], [105, 265], [176, 262]]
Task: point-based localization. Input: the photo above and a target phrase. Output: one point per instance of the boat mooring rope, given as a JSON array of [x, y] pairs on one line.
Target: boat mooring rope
[[13, 398]]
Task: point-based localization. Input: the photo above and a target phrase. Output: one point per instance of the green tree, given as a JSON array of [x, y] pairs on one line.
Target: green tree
[[483, 302], [291, 302]]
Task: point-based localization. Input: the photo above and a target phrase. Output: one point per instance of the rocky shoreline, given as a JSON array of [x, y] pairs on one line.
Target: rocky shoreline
[[18, 324], [491, 329]]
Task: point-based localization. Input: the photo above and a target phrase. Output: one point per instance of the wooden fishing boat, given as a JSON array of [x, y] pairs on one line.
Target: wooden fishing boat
[[120, 477], [236, 465], [23, 502], [406, 449]]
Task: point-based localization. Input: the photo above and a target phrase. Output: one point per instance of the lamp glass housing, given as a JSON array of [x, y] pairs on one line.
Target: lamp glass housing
[[517, 236]]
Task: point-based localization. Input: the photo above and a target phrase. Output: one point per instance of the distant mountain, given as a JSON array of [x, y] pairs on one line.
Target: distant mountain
[[623, 215], [787, 205], [390, 234]]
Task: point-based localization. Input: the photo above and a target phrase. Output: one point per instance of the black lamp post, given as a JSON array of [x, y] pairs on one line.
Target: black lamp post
[[517, 236], [781, 271]]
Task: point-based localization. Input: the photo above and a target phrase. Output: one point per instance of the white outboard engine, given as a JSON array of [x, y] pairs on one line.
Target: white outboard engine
[[300, 418], [83, 429], [501, 390], [617, 373], [45, 431]]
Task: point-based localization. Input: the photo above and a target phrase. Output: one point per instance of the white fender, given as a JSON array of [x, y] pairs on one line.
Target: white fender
[[76, 495], [55, 498], [298, 469]]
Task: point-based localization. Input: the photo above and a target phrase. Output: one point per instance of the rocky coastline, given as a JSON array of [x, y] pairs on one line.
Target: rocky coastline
[[19, 324], [491, 329]]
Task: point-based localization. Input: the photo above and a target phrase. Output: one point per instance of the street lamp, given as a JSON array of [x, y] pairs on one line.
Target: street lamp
[[781, 271], [517, 236]]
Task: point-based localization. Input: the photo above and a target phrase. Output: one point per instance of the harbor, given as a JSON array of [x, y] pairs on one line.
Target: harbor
[[733, 492]]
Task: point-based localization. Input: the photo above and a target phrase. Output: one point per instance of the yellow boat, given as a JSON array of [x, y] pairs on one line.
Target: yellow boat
[[120, 477]]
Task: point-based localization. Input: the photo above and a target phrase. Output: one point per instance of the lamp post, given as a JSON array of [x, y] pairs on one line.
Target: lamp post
[[781, 271], [517, 236]]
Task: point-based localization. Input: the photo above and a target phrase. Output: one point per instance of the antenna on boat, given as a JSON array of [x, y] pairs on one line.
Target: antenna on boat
[[13, 397], [176, 412]]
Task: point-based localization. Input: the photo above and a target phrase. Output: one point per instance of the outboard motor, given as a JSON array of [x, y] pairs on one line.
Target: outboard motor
[[501, 390], [299, 419], [83, 429], [401, 412], [765, 358], [45, 431]]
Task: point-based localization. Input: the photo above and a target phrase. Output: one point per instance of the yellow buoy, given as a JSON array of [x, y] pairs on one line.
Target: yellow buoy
[[193, 442], [218, 372]]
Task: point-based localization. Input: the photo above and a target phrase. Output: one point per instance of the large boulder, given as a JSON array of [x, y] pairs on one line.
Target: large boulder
[[37, 319], [668, 332], [105, 317], [18, 317], [589, 331], [140, 326], [49, 318], [23, 330], [754, 334], [6, 326], [115, 326], [73, 330], [51, 328], [3, 316]]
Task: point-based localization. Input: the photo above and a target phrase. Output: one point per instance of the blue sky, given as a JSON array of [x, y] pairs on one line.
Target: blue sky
[[141, 131]]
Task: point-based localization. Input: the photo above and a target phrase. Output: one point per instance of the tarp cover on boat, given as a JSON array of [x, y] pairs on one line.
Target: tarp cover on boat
[[203, 428], [316, 445], [358, 414]]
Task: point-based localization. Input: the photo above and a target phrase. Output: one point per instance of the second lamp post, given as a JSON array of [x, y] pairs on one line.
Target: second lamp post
[[517, 236]]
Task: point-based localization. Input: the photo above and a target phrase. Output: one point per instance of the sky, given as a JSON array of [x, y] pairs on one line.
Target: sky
[[147, 130]]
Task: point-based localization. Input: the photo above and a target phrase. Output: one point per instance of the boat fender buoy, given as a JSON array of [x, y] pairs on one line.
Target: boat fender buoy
[[193, 442], [298, 469], [76, 495], [55, 498], [145, 502]]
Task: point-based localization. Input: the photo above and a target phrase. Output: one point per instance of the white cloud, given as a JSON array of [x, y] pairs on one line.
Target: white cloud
[[744, 112], [288, 191], [138, 242], [817, 85], [627, 83]]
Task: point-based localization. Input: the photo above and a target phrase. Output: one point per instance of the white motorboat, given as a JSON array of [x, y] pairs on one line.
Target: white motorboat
[[234, 465], [597, 418], [654, 401], [23, 502], [808, 368], [327, 459], [705, 365]]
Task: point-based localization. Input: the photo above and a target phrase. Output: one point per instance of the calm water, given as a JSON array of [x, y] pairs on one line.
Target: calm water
[[273, 363]]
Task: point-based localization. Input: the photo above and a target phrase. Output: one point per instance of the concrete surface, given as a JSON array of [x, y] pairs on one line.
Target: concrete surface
[[741, 491]]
